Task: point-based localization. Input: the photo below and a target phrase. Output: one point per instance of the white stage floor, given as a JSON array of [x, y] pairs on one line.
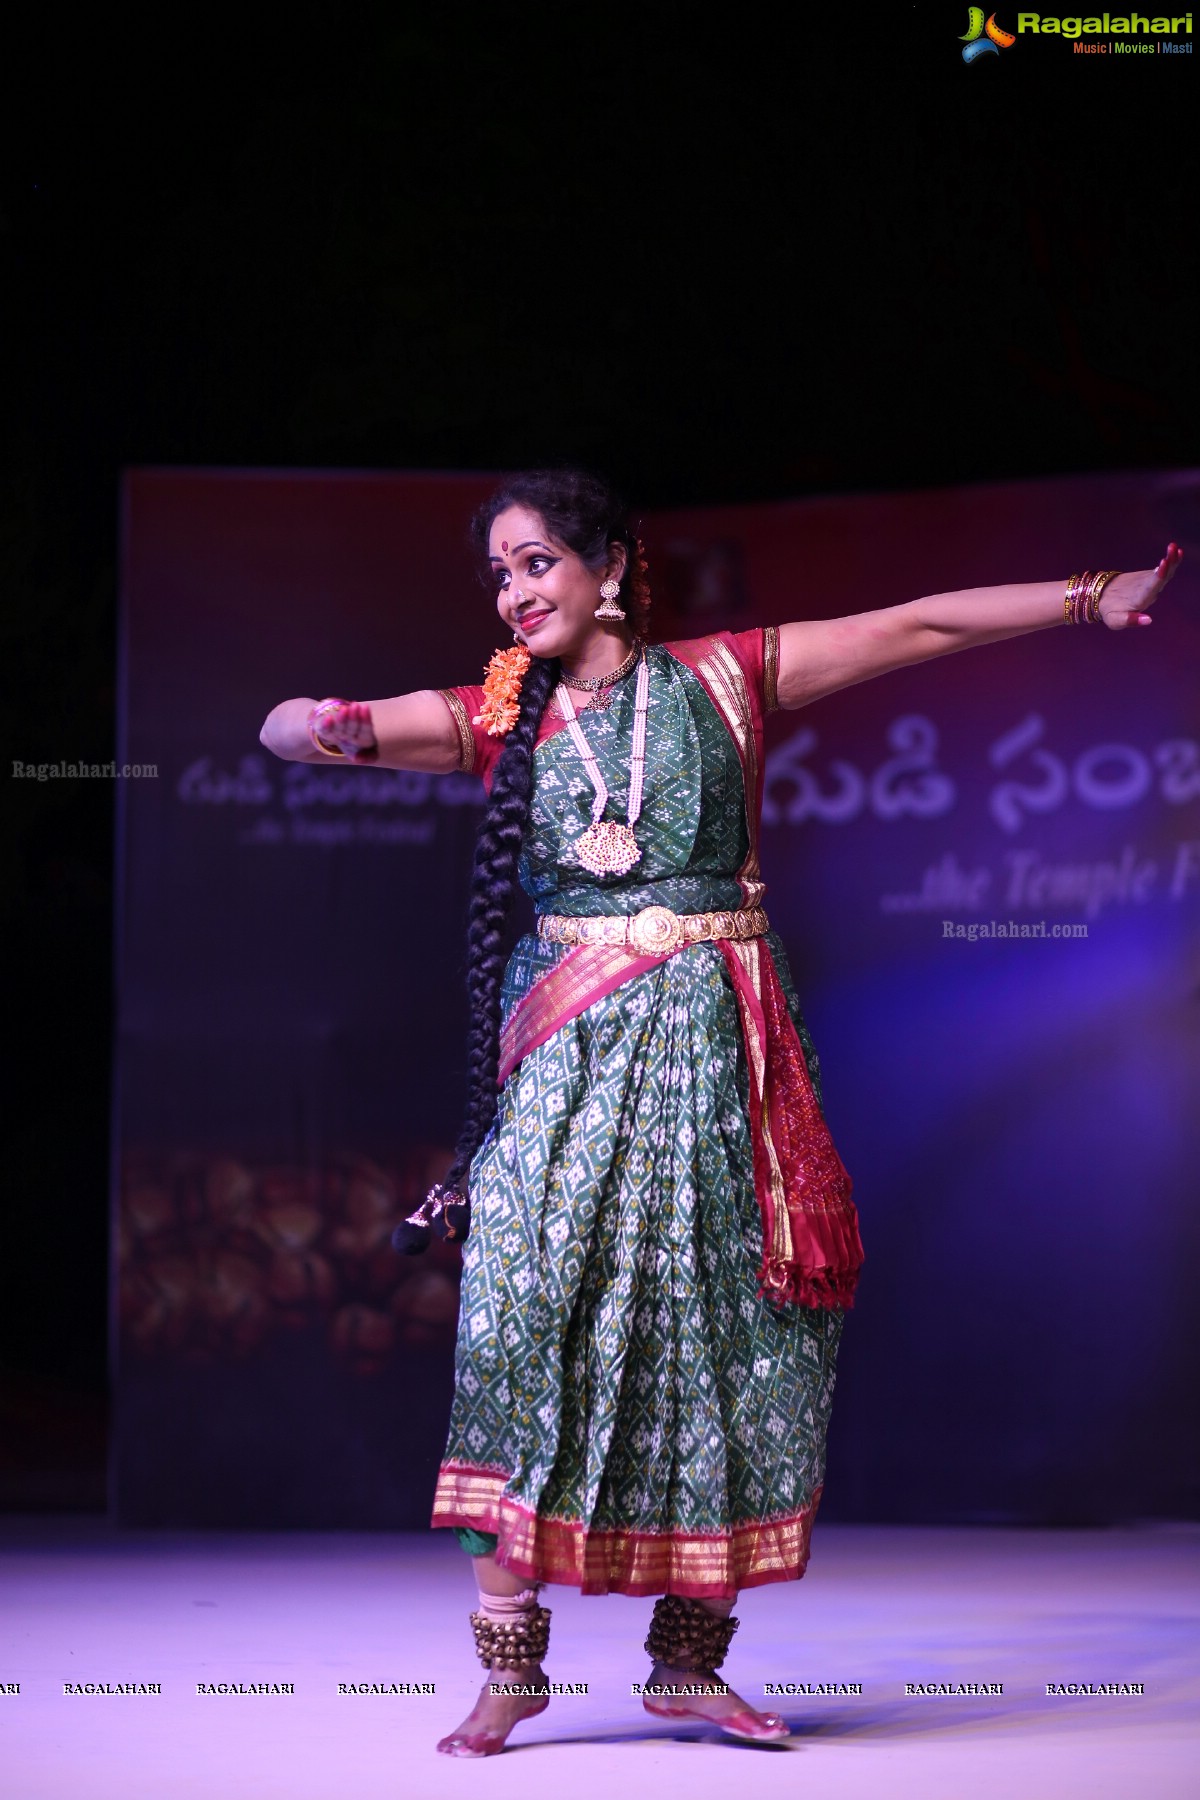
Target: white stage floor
[[880, 1607]]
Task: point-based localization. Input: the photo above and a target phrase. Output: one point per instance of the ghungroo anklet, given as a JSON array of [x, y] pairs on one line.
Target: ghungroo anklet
[[684, 1634], [514, 1642]]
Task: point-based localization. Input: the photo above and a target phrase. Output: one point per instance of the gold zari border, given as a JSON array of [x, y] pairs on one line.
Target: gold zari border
[[781, 1248], [623, 1562], [771, 668], [466, 737]]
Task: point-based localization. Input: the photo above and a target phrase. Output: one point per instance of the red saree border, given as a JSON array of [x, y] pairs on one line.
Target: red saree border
[[733, 678], [812, 1250], [698, 1565], [583, 975]]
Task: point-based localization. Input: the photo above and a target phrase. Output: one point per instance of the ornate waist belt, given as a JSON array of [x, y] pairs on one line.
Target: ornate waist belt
[[654, 930]]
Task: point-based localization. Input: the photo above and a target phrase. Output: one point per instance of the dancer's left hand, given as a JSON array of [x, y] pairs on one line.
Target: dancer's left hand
[[1125, 599]]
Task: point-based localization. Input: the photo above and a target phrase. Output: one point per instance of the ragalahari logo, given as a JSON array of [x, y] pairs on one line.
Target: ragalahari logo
[[984, 39]]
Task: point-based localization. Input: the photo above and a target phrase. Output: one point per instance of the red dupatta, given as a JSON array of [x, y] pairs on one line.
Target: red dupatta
[[812, 1252]]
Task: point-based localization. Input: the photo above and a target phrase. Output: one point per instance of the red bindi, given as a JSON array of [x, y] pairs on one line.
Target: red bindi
[[504, 547]]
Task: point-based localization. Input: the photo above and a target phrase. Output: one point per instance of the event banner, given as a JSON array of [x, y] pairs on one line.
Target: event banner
[[986, 870]]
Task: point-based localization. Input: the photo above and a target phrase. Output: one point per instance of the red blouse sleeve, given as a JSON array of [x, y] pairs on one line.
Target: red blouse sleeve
[[478, 753], [758, 653]]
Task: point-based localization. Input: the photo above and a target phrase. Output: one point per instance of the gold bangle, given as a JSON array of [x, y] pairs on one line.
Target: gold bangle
[[1097, 588], [1069, 598], [311, 727], [326, 749], [1081, 603]]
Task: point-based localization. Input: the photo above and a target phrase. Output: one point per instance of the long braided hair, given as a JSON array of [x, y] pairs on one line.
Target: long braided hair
[[586, 514]]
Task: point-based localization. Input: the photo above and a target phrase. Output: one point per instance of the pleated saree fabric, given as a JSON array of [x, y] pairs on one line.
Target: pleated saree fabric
[[631, 1413]]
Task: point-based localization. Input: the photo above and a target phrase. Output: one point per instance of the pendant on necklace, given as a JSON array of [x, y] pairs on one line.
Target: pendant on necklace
[[597, 702], [608, 848]]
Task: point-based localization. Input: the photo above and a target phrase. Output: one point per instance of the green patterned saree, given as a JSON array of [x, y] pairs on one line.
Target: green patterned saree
[[632, 1412]]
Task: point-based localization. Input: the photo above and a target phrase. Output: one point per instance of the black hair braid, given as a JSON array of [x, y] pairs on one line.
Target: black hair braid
[[446, 1210], [584, 512], [493, 882]]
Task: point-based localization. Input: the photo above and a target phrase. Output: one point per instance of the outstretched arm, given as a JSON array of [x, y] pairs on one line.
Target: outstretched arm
[[818, 656], [409, 731]]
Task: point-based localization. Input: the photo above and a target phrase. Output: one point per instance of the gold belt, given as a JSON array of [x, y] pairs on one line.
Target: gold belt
[[654, 930]]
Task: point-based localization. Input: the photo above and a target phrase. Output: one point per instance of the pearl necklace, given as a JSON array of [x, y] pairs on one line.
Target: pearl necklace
[[608, 847]]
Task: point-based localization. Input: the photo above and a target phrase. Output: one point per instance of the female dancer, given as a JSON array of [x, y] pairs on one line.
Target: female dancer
[[661, 1239]]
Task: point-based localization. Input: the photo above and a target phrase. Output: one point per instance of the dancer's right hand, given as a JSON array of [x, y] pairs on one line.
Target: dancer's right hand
[[346, 726]]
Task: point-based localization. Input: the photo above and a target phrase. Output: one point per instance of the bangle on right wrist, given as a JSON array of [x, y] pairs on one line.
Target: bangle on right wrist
[[311, 723]]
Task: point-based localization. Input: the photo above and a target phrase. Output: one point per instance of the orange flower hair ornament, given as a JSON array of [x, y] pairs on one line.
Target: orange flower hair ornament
[[502, 690]]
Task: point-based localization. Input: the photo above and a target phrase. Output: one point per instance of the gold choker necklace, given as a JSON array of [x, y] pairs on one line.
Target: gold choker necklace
[[593, 682], [597, 684]]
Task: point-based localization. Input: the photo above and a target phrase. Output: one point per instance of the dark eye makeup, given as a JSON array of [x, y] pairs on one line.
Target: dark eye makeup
[[537, 565]]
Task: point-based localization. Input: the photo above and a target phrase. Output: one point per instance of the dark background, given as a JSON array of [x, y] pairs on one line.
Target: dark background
[[725, 260]]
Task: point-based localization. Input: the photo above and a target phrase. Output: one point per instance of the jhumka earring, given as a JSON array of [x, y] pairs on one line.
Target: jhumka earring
[[608, 593]]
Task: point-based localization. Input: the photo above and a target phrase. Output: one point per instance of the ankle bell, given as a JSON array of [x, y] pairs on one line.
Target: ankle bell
[[512, 1643], [685, 1635]]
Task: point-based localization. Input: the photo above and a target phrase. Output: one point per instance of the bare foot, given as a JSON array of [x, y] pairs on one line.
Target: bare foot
[[717, 1702], [487, 1725]]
